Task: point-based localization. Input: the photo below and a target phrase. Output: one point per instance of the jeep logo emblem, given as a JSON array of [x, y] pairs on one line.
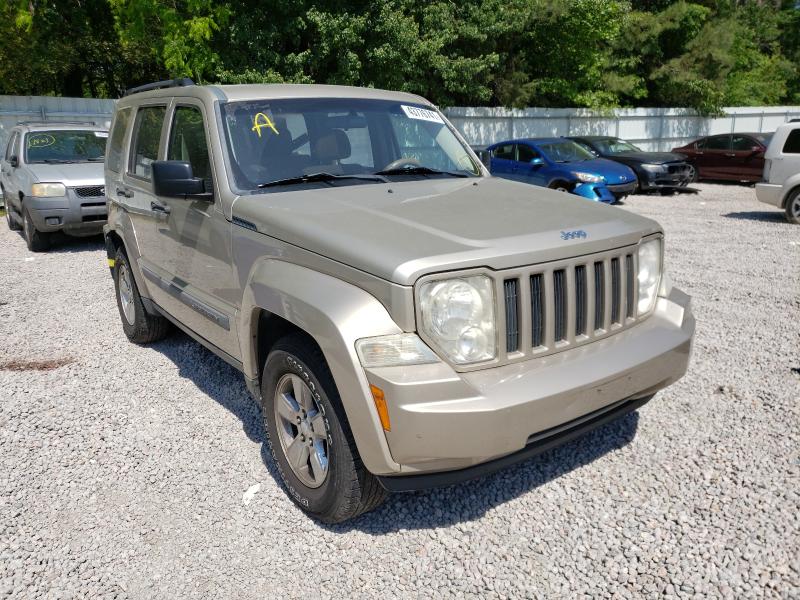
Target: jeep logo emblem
[[574, 234]]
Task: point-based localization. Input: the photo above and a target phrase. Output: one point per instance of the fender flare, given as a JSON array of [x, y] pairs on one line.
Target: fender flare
[[335, 314]]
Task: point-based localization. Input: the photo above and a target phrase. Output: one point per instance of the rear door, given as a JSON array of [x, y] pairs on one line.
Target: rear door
[[714, 157], [503, 161], [194, 238], [747, 158]]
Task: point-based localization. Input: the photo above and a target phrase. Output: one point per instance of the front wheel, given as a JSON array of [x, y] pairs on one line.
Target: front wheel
[[10, 220], [309, 437], [140, 326], [37, 241], [793, 208]]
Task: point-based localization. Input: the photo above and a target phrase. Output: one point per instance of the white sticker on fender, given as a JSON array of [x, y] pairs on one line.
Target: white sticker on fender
[[423, 114]]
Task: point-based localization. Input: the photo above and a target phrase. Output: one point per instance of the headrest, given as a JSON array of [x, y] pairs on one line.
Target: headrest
[[331, 146]]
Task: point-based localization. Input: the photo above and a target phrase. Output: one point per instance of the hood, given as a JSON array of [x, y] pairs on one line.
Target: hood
[[653, 158], [70, 174], [613, 172], [403, 230]]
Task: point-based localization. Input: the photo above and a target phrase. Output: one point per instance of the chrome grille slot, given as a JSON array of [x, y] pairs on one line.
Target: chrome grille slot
[[90, 191], [580, 300], [615, 289], [537, 310], [599, 295], [629, 286], [511, 289], [560, 304]]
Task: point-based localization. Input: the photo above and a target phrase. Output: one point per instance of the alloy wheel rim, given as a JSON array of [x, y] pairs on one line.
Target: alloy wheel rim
[[301, 430], [796, 207], [126, 294]]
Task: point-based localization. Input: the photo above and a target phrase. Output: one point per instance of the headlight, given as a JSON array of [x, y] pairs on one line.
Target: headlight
[[394, 350], [588, 177], [48, 190], [458, 316], [649, 274], [654, 168]]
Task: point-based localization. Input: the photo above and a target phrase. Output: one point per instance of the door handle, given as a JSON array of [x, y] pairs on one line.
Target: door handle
[[124, 193], [156, 207], [730, 154]]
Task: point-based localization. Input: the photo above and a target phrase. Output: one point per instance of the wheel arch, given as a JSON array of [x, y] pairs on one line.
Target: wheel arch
[[333, 314]]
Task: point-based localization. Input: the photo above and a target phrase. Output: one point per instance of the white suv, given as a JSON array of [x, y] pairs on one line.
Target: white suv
[[781, 185]]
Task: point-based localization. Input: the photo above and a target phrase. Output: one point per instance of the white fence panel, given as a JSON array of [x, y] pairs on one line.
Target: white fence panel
[[657, 129]]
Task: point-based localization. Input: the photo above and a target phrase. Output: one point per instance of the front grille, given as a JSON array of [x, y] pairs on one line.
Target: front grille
[[91, 191], [567, 303]]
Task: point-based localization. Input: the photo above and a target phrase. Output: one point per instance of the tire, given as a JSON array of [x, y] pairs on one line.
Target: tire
[[336, 486], [37, 241], [13, 225], [560, 186], [140, 326], [793, 207], [693, 178]]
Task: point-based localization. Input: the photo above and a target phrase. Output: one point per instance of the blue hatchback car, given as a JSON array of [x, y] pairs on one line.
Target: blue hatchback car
[[561, 164]]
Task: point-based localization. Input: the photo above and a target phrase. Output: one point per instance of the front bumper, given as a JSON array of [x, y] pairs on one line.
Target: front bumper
[[620, 190], [769, 193], [443, 421], [72, 214], [598, 192], [664, 179]]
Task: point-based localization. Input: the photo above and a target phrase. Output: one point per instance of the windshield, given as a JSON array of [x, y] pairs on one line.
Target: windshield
[[615, 146], [564, 151], [286, 141], [64, 146]]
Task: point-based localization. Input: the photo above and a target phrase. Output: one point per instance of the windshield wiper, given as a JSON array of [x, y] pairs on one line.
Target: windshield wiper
[[58, 161], [419, 171], [318, 177], [97, 159]]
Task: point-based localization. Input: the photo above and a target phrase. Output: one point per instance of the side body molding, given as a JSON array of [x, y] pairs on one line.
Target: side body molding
[[335, 314]]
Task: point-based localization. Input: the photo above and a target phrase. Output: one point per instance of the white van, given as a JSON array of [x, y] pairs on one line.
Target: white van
[[781, 185]]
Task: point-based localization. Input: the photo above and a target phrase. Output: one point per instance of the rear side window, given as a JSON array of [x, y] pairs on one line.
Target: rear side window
[[505, 151], [721, 142], [187, 141], [146, 137], [741, 142], [114, 152], [792, 144]]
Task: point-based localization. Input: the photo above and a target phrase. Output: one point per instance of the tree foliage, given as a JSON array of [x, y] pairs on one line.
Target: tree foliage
[[587, 53]]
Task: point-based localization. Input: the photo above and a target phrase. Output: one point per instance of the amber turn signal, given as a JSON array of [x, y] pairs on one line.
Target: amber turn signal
[[380, 404]]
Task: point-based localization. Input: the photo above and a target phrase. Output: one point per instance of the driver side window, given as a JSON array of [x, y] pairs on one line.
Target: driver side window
[[526, 154], [187, 142]]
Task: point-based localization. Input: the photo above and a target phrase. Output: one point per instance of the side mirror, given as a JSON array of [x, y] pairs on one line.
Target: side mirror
[[14, 161], [757, 150], [174, 178], [537, 162]]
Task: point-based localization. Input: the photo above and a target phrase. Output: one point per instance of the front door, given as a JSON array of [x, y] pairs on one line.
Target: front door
[[525, 169], [194, 238], [503, 161], [9, 173]]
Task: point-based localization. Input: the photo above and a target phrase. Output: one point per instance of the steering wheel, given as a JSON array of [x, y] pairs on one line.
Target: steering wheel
[[401, 163]]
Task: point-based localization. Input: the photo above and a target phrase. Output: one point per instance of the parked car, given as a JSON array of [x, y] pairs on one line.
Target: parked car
[[52, 180], [562, 165], [781, 185], [655, 171], [730, 156], [394, 309]]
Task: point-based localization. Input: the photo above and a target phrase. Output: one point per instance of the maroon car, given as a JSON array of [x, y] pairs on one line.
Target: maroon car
[[732, 156]]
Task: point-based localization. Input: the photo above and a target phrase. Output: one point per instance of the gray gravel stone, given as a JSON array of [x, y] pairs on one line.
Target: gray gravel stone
[[123, 472]]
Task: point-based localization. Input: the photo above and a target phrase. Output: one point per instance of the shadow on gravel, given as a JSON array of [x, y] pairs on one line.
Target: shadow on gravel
[[418, 510], [471, 500], [769, 216], [68, 244]]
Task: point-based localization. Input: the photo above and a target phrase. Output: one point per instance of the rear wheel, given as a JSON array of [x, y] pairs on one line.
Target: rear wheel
[[309, 437], [37, 241], [692, 178], [793, 207], [140, 326]]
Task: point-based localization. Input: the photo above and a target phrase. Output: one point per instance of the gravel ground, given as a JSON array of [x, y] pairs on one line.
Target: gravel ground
[[141, 471]]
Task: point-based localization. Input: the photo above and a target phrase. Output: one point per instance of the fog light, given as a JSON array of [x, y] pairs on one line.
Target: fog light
[[53, 220]]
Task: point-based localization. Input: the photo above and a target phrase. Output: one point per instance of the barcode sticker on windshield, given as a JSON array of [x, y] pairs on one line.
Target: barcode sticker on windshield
[[423, 114]]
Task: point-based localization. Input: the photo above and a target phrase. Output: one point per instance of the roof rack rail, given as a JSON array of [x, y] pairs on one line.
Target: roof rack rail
[[157, 85], [57, 122]]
